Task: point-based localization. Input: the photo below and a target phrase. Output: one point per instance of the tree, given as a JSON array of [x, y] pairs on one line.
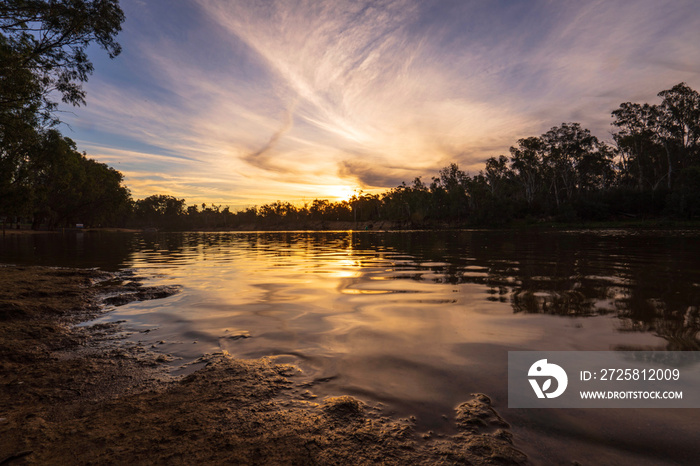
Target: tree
[[160, 210], [16, 148], [498, 175], [575, 161], [43, 50], [104, 199], [449, 192], [404, 202], [66, 187], [528, 167], [363, 207], [639, 145], [56, 179], [679, 127], [320, 209]]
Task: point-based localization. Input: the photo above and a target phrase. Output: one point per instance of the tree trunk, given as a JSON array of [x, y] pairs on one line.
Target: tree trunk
[[670, 165]]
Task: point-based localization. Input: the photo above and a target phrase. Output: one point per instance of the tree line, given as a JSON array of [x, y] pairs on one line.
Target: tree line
[[651, 168]]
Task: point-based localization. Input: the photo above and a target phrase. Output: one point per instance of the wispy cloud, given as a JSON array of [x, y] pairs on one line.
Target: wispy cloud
[[245, 102]]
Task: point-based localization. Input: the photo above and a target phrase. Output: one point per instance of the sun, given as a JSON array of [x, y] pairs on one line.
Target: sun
[[341, 192]]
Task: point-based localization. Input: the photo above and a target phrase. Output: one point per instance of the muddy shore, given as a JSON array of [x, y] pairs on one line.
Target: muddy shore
[[80, 395]]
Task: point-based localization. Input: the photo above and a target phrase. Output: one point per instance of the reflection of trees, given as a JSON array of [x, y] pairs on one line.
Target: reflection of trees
[[165, 247], [667, 308], [650, 282], [566, 302], [107, 251]]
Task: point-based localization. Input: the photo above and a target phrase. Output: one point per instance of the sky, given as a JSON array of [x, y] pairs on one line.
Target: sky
[[243, 102]]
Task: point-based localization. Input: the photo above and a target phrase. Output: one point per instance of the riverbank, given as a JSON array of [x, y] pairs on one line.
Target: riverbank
[[386, 225], [543, 224], [29, 231], [79, 394]]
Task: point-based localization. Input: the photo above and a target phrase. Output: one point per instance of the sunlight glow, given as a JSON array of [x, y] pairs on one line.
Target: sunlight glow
[[342, 193]]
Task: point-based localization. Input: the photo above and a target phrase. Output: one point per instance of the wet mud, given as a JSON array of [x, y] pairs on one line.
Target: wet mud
[[80, 395]]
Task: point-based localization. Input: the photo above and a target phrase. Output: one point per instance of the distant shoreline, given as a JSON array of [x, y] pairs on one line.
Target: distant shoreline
[[321, 226], [29, 231]]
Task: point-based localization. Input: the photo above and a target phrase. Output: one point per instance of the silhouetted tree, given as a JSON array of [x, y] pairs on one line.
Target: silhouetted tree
[[43, 50], [67, 187], [679, 127], [639, 145], [159, 210], [527, 163], [575, 161]]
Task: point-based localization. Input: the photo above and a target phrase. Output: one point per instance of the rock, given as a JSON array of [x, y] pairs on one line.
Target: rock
[[345, 407], [477, 415], [143, 294]]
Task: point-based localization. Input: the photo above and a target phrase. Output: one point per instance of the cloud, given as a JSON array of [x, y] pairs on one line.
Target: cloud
[[261, 157], [244, 102], [373, 176]]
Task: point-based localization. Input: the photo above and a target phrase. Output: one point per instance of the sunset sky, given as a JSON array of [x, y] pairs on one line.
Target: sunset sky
[[241, 102]]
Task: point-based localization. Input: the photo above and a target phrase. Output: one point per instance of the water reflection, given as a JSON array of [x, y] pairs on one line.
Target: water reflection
[[108, 251], [650, 281]]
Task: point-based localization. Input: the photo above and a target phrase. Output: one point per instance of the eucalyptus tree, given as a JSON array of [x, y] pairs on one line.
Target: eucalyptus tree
[[44, 50], [575, 161], [397, 203], [160, 210], [559, 143], [104, 199], [679, 127], [450, 193], [17, 143], [408, 202], [498, 175], [639, 144], [363, 207], [527, 163], [66, 187]]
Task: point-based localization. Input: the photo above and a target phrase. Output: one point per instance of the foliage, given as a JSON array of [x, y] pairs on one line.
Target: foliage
[[43, 45], [159, 211], [63, 187], [43, 50]]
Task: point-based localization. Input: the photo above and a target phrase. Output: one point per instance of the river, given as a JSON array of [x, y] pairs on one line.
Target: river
[[416, 321]]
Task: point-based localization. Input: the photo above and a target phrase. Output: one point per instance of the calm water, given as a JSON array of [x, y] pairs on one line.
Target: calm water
[[419, 320]]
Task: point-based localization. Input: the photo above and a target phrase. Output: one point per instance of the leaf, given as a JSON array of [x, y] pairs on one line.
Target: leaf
[[546, 385]]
